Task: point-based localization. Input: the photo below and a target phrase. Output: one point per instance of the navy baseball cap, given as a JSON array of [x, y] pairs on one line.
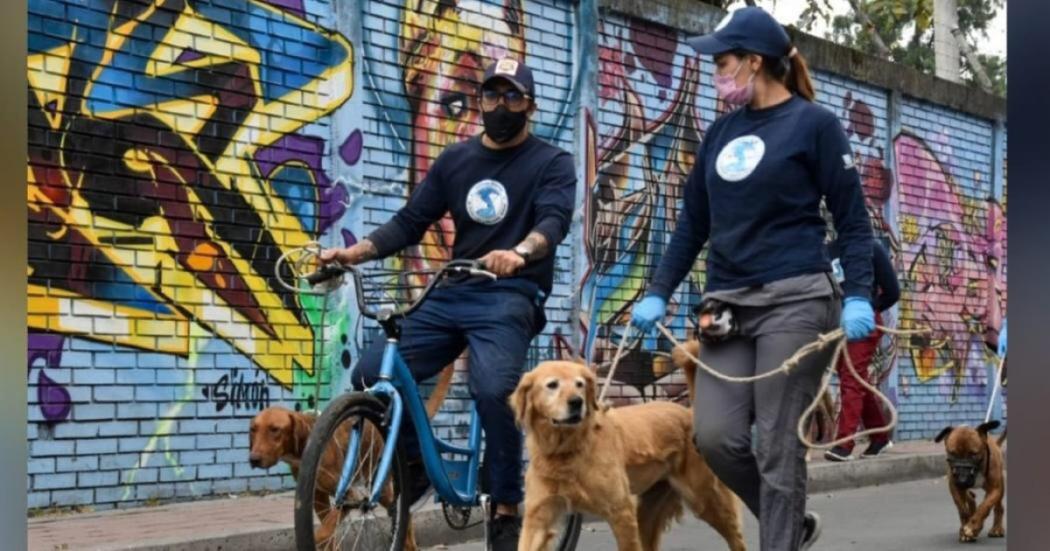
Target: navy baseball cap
[[514, 72], [751, 29]]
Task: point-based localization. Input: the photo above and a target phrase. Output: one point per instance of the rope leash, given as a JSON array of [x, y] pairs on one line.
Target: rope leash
[[837, 336]]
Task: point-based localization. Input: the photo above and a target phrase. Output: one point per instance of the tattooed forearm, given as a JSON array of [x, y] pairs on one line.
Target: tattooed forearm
[[537, 244]]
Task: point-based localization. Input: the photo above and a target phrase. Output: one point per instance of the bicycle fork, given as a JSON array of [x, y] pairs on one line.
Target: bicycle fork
[[394, 413]]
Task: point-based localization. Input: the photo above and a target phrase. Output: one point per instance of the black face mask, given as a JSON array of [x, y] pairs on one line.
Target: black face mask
[[502, 124]]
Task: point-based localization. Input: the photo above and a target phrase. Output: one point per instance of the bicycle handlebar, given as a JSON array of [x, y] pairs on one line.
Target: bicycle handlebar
[[330, 271]]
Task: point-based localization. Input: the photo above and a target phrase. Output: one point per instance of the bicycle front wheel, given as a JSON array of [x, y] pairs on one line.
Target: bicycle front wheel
[[568, 532], [321, 521]]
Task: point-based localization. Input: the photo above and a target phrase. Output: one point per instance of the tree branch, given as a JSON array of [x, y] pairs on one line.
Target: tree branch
[[862, 18], [972, 60]]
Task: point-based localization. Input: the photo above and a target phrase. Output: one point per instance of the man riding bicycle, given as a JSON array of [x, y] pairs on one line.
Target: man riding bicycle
[[511, 196]]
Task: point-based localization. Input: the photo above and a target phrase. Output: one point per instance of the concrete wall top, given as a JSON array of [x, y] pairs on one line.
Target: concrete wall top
[[692, 16]]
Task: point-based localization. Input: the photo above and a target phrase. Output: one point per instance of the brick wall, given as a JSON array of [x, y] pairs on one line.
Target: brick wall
[[178, 148]]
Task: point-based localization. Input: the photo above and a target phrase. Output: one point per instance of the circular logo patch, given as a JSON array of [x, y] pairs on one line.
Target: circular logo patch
[[738, 158], [487, 202]]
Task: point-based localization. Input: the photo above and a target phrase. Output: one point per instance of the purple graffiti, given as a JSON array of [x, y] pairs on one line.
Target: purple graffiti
[[350, 151], [188, 55], [349, 239], [294, 6], [53, 399], [654, 47], [308, 150]]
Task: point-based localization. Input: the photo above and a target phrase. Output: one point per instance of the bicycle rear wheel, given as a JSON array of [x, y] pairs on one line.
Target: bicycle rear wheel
[[351, 526]]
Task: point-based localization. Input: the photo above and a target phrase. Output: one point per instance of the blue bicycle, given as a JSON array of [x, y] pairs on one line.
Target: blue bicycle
[[353, 471]]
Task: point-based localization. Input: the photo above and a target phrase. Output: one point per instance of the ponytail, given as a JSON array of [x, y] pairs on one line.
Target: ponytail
[[793, 71]]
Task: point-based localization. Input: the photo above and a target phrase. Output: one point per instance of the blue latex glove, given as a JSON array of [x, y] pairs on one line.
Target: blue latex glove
[[647, 312], [858, 318], [1002, 340]]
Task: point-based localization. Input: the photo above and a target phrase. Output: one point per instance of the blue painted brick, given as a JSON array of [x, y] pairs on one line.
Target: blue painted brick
[[110, 495], [96, 479], [54, 481], [38, 500], [113, 393], [76, 430], [133, 444], [97, 446], [233, 456], [93, 412], [179, 443], [50, 448], [42, 465], [137, 411], [198, 426], [230, 486], [118, 428], [214, 471], [266, 483], [86, 463], [118, 461], [193, 489], [150, 428], [93, 376], [173, 474], [197, 458], [213, 441], [139, 476], [72, 497], [154, 491]]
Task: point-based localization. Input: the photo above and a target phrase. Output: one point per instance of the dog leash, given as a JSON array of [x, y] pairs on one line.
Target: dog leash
[[837, 336], [995, 389]]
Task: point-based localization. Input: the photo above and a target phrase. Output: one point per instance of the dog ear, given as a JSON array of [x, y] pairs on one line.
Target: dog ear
[[300, 433], [984, 428], [591, 381], [944, 433], [519, 399]]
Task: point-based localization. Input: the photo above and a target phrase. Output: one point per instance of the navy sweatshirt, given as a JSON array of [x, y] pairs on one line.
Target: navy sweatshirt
[[496, 198], [755, 192], [886, 290]]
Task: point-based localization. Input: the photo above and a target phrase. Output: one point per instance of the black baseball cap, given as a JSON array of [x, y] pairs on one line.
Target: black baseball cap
[[751, 29], [514, 72]]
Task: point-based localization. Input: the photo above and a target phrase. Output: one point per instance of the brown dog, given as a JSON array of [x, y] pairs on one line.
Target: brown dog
[[974, 460], [279, 434], [634, 466]]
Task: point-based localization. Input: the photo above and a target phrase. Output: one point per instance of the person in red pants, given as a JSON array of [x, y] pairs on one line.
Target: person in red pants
[[859, 405]]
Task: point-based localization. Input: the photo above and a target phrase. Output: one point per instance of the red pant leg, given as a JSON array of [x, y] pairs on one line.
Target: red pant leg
[[854, 397]]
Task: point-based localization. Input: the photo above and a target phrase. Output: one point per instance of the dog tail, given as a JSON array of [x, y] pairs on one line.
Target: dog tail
[[437, 397]]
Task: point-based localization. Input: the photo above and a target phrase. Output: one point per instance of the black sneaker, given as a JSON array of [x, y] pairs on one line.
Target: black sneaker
[[838, 453], [811, 530], [875, 449], [504, 532], [416, 483]]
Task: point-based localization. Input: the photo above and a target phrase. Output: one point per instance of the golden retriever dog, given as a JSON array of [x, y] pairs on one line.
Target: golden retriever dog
[[279, 434], [634, 466]]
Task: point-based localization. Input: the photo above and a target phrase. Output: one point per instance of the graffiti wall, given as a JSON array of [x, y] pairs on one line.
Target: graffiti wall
[[177, 148]]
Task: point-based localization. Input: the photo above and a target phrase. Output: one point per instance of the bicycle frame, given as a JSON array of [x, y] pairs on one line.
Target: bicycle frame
[[397, 386]]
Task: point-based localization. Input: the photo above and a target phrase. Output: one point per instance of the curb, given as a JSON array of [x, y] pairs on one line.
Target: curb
[[431, 529]]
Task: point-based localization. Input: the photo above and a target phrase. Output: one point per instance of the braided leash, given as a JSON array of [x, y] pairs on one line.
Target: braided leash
[[838, 336]]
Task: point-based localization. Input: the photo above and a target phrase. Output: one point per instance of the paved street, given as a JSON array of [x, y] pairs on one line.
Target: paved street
[[900, 517]]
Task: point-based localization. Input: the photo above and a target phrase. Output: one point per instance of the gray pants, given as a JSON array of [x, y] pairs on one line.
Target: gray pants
[[770, 477]]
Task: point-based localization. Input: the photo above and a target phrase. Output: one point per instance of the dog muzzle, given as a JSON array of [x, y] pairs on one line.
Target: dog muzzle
[[715, 322], [964, 471]]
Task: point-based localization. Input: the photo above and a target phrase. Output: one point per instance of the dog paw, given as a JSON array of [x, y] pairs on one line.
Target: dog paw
[[967, 534], [997, 533]]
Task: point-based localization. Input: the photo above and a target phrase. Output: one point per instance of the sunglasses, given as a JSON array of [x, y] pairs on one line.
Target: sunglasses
[[512, 98]]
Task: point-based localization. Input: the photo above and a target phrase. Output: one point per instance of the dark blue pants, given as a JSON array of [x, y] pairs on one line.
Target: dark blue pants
[[496, 321]]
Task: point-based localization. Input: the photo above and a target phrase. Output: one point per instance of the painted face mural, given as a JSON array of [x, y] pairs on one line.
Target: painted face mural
[[446, 47], [167, 173]]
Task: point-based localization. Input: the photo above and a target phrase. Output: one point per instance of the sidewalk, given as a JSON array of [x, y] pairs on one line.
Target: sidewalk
[[265, 523]]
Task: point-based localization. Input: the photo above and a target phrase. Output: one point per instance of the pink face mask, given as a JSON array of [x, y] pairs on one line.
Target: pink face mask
[[732, 93]]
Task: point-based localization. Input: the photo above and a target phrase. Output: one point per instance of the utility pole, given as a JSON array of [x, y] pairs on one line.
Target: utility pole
[[945, 47]]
